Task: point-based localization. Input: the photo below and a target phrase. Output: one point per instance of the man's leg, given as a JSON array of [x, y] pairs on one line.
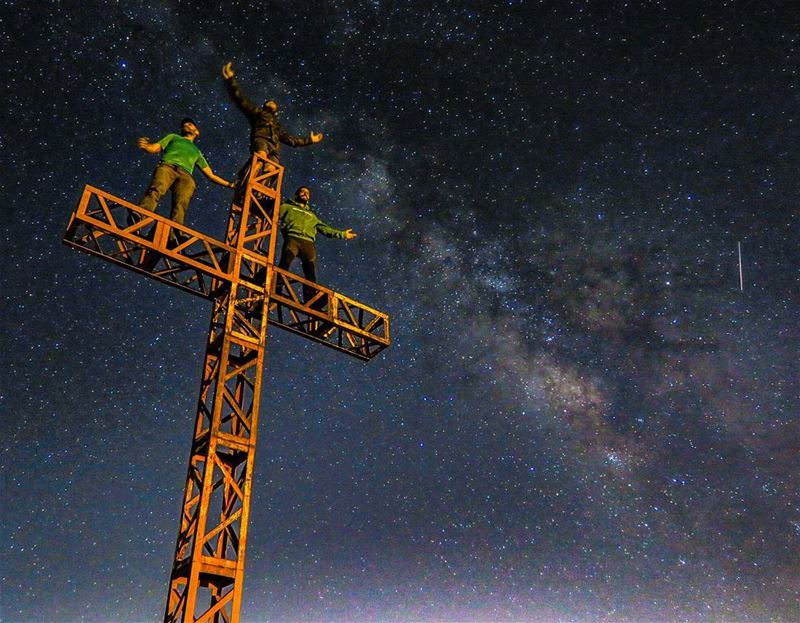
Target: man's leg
[[163, 177], [269, 167], [182, 191], [261, 147], [288, 253], [308, 259]]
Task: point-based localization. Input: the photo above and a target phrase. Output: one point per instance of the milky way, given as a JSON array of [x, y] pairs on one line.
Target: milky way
[[581, 418]]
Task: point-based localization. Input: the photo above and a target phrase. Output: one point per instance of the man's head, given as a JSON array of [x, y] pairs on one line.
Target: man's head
[[189, 128], [271, 106], [302, 194]]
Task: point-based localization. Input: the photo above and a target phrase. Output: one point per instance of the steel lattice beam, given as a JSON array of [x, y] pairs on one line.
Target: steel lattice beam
[[199, 264]]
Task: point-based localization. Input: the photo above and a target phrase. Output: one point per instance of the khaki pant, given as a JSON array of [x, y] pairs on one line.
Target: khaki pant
[[168, 176]]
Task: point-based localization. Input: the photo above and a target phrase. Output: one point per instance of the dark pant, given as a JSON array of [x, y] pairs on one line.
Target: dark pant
[[261, 144], [244, 173], [307, 252], [168, 176]]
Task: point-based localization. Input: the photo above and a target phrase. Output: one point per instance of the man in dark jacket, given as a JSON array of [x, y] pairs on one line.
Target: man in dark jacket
[[300, 226], [266, 132]]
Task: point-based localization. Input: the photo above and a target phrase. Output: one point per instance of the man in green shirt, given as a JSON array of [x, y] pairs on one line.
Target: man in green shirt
[[300, 226], [179, 155]]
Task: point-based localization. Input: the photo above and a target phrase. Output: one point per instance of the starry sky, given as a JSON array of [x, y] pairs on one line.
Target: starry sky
[[582, 417]]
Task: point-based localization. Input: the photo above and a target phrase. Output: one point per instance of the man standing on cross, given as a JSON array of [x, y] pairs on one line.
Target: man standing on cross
[[179, 155], [266, 132], [300, 226]]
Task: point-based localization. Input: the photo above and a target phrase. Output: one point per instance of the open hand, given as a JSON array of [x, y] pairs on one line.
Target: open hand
[[349, 234], [316, 138]]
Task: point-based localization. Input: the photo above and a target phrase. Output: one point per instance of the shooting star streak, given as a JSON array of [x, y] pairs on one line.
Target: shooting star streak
[[741, 279]]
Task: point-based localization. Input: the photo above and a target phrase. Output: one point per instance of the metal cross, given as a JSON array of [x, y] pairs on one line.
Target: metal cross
[[248, 293]]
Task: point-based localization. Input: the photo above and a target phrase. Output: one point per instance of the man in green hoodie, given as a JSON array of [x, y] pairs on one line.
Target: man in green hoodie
[[300, 226]]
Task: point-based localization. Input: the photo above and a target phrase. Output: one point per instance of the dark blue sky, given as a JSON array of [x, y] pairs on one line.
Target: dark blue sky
[[582, 418]]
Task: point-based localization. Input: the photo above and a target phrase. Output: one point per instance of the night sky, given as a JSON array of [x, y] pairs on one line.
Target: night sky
[[581, 418]]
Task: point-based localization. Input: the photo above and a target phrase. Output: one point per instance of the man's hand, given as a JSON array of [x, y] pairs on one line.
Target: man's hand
[[227, 70], [144, 144], [349, 234], [316, 138]]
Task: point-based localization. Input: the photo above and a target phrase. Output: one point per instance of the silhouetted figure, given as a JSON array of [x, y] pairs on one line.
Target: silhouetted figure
[[266, 132]]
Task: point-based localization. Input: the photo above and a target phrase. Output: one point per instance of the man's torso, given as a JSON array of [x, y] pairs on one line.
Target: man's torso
[[298, 222], [181, 152]]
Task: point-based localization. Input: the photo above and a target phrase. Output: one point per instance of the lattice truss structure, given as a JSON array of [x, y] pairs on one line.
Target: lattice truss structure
[[248, 292]]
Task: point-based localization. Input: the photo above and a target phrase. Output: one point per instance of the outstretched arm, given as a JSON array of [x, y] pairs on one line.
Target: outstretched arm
[[332, 232], [144, 144], [216, 178], [298, 141], [244, 104]]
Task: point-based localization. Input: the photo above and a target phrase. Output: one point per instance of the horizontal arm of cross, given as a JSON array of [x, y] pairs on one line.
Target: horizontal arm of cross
[[162, 249]]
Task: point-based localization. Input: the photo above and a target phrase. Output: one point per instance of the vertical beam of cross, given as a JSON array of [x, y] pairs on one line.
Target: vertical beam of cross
[[208, 567]]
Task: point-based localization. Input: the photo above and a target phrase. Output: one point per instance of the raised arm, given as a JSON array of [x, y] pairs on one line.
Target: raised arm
[[298, 141], [235, 93]]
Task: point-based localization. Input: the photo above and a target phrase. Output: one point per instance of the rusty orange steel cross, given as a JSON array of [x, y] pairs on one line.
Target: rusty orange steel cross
[[248, 292]]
